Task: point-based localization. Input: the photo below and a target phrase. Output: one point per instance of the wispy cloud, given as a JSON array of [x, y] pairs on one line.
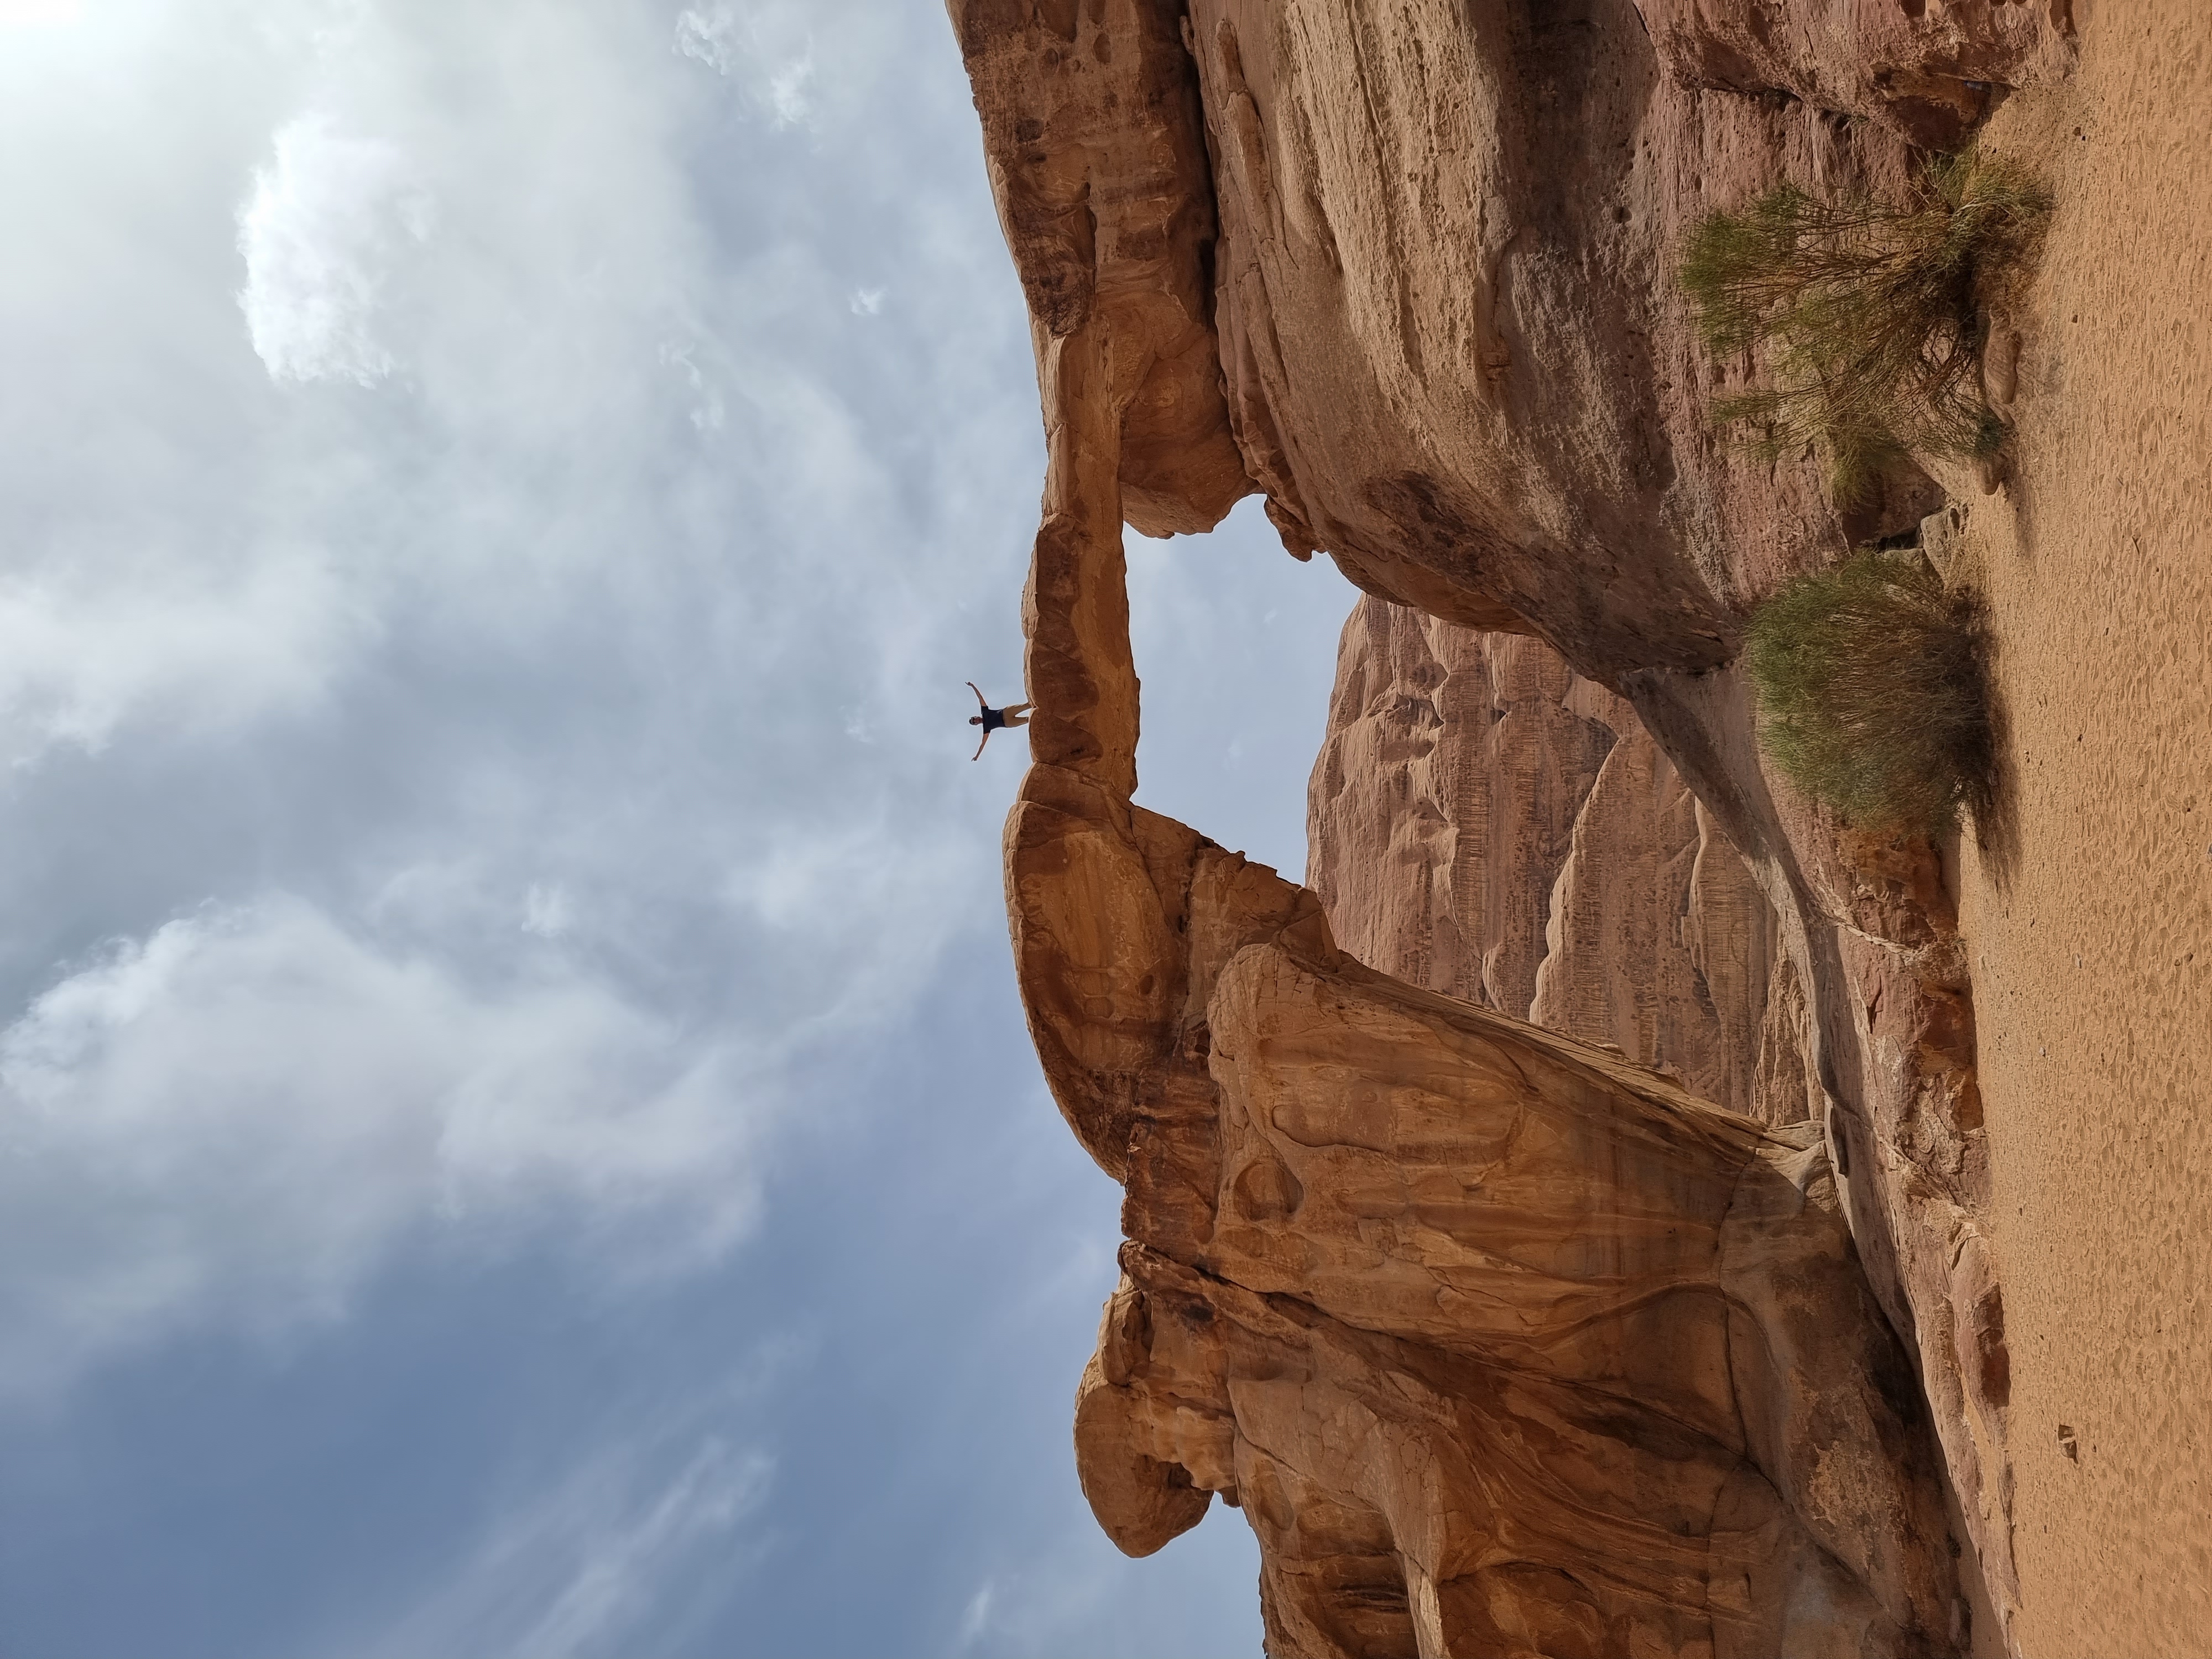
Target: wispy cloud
[[236, 1119], [91, 642], [976, 1617], [572, 1569], [756, 48]]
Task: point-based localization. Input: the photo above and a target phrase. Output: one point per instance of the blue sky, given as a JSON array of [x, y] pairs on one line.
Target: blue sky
[[516, 1134]]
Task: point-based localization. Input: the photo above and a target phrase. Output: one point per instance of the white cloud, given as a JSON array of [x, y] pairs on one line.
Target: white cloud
[[318, 235], [756, 48], [239, 1117], [854, 915], [867, 302], [90, 642], [708, 411], [38, 11], [546, 911], [788, 85], [711, 37]]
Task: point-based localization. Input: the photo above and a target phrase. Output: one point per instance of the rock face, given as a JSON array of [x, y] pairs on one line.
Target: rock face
[[1470, 831], [1927, 72], [1452, 360], [1094, 139], [1499, 1339], [1404, 270], [1485, 823]]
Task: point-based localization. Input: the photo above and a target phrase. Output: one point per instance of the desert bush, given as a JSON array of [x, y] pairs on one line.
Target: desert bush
[[1874, 315], [1873, 691]]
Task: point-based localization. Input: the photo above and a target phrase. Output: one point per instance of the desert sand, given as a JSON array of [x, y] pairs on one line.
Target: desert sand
[[2089, 924]]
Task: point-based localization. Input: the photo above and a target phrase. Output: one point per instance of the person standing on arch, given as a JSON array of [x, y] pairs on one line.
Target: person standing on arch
[[1014, 714]]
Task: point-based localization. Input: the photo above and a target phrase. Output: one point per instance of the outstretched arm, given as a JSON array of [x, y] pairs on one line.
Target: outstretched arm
[[980, 702], [978, 755]]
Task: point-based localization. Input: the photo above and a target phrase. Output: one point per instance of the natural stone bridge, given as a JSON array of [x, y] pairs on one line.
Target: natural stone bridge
[[1504, 1344]]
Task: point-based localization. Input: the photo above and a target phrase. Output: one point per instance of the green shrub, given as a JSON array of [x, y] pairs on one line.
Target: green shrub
[[1873, 692], [1875, 316]]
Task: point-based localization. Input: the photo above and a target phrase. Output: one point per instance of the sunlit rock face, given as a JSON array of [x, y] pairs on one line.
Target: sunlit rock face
[[1486, 823], [1404, 270], [1928, 72], [1097, 151], [1500, 1340]]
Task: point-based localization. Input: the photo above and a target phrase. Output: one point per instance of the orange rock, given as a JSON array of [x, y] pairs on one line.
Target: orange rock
[[1486, 823], [1404, 270], [1497, 1337], [1096, 151], [1928, 72]]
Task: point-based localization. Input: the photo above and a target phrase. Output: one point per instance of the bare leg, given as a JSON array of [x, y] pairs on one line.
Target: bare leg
[[1017, 714]]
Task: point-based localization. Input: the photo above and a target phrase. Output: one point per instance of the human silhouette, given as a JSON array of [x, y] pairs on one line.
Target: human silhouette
[[1014, 714]]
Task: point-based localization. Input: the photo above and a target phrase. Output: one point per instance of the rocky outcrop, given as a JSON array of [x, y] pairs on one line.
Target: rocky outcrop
[[1486, 823], [1506, 1347], [1451, 357], [1497, 1337], [1413, 260], [1927, 71], [1443, 802], [1658, 936], [1096, 146]]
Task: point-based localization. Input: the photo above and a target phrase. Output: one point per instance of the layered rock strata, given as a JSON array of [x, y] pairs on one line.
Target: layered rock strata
[[1412, 261], [1486, 823], [1471, 832], [1927, 71], [1499, 1339]]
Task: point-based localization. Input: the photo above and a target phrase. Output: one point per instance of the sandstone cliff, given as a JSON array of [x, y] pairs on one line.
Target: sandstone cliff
[[1486, 823], [1500, 1341], [1407, 267]]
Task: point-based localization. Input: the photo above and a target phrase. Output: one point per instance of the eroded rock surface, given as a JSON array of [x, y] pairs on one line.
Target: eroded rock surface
[[1928, 72], [1092, 133], [1410, 266], [1471, 832], [1484, 822], [1498, 1339]]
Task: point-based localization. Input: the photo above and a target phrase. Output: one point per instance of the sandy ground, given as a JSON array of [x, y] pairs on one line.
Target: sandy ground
[[2091, 932]]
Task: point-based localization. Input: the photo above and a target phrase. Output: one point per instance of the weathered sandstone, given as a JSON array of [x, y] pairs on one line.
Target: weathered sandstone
[[1486, 823], [1408, 266], [1928, 72], [1497, 1337], [1094, 139], [1469, 832]]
